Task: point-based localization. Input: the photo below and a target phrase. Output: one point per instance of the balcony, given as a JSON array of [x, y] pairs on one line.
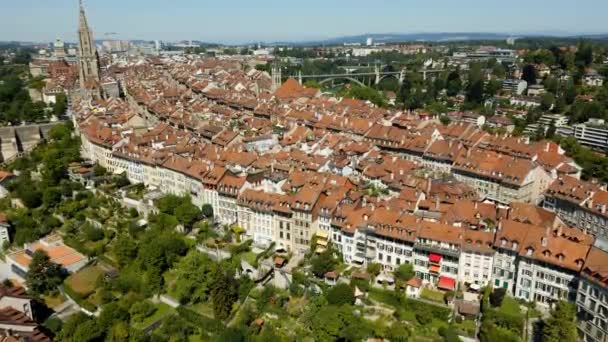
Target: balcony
[[437, 250]]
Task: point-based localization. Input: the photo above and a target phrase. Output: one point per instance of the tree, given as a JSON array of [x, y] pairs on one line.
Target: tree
[[584, 54], [561, 326], [454, 84], [547, 101], [224, 293], [374, 268], [141, 310], [341, 294], [445, 120], [43, 275], [195, 276], [529, 74], [551, 130], [322, 263], [61, 105], [124, 249], [207, 210], [31, 198], [187, 213], [475, 86], [99, 170], [497, 296], [69, 327], [405, 272]]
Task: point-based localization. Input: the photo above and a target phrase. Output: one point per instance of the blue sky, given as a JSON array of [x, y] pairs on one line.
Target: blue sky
[[233, 21]]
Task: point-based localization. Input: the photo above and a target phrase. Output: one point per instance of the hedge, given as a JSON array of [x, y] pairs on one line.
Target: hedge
[[205, 323], [82, 302]]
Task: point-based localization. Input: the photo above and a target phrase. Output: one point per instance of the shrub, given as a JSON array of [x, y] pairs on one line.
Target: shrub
[[497, 296], [341, 294], [139, 311]]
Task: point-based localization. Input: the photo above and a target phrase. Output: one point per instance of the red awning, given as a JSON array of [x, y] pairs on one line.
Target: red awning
[[446, 283], [435, 268], [434, 258]]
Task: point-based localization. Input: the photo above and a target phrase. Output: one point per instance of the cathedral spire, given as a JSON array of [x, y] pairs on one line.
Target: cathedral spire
[[88, 58]]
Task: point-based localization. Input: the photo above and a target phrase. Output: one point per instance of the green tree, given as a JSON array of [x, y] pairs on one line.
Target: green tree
[[61, 105], [207, 210], [547, 101], [323, 263], [561, 326], [194, 275], [341, 294], [584, 53], [187, 213], [405, 272], [141, 310], [454, 84], [43, 275], [551, 130], [374, 268], [99, 170], [224, 293], [529, 74], [475, 85]]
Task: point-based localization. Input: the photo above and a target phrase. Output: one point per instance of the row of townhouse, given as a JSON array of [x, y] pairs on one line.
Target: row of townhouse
[[532, 262], [581, 204], [442, 254]]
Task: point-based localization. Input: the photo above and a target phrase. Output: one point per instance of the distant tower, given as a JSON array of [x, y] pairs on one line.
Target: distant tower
[[59, 48], [276, 76], [88, 65]]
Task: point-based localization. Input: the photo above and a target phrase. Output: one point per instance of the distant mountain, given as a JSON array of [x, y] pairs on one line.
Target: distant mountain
[[431, 37]]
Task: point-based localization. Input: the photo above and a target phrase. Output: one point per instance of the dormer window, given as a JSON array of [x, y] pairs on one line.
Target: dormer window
[[547, 253], [529, 251], [515, 244], [560, 257], [503, 242], [543, 241]]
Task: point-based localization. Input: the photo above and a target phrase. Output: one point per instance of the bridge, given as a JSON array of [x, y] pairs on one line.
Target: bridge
[[354, 77]]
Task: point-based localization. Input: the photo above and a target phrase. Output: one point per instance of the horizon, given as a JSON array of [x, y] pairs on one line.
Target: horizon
[[273, 21]]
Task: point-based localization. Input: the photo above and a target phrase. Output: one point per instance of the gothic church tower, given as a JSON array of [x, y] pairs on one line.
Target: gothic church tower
[[88, 58]]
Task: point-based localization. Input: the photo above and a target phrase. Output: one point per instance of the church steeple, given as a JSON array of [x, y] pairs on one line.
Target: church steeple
[[88, 58]]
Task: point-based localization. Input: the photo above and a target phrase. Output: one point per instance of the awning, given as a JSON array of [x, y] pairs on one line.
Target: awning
[[385, 278], [322, 234], [320, 249], [446, 283], [436, 258], [322, 242], [475, 287], [434, 268]]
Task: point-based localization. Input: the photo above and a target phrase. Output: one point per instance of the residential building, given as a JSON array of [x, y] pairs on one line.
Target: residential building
[[592, 295], [580, 204], [514, 86], [593, 134], [53, 245]]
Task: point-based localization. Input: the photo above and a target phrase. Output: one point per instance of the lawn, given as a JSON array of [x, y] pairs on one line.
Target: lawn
[[510, 306], [53, 301], [83, 281], [436, 296], [204, 309], [467, 326], [162, 310]]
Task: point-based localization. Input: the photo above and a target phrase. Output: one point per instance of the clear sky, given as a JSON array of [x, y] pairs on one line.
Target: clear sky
[[232, 21]]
